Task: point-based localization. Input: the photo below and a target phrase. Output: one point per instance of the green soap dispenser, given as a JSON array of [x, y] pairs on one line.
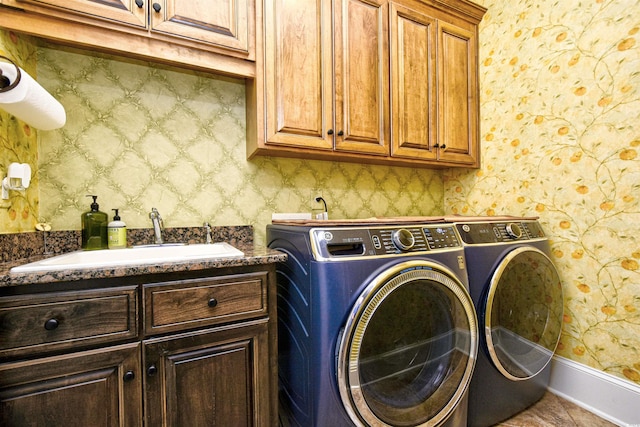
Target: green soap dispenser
[[94, 228]]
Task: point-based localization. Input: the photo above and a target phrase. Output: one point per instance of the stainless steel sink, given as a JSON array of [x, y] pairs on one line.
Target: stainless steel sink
[[151, 254]]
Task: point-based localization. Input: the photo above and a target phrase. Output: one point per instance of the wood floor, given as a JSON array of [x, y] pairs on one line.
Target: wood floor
[[552, 411]]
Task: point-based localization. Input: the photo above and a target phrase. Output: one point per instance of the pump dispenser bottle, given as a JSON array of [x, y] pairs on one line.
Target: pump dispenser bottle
[[94, 227], [117, 232]]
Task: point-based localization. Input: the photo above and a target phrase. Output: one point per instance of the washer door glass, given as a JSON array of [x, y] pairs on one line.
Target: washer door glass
[[523, 317], [408, 350]]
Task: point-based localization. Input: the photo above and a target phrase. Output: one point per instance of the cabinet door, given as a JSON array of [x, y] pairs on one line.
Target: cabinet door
[[215, 377], [122, 11], [226, 23], [458, 95], [100, 388], [362, 76], [298, 73], [413, 83]]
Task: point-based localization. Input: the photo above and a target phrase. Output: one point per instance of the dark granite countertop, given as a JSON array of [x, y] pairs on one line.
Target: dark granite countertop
[[23, 248], [253, 255]]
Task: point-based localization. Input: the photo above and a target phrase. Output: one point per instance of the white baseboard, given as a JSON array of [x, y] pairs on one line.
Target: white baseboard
[[609, 397]]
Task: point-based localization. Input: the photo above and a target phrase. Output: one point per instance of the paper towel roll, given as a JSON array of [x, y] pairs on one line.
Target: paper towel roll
[[30, 102]]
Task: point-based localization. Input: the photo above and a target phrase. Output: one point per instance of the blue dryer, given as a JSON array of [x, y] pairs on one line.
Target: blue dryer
[[518, 297], [375, 325]]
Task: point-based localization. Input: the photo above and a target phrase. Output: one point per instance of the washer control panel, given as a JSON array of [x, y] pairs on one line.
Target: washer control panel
[[340, 242], [441, 237], [474, 233]]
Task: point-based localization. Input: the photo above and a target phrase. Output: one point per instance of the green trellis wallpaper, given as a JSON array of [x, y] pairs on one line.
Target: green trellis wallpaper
[[560, 128], [140, 136]]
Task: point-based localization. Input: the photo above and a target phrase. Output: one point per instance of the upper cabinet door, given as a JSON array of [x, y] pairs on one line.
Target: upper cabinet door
[[362, 76], [298, 73], [413, 84], [371, 81], [223, 23], [458, 95], [132, 12]]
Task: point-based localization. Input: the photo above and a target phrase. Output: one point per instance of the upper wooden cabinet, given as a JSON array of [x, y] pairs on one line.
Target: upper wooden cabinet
[[435, 86], [223, 23], [414, 109], [319, 95], [123, 11], [458, 102], [367, 81], [214, 35], [297, 74]]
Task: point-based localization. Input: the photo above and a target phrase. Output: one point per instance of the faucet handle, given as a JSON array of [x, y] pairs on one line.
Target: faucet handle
[[207, 229], [155, 215]]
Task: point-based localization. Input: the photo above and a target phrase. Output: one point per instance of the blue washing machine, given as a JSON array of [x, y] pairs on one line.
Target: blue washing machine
[[375, 325], [518, 298]]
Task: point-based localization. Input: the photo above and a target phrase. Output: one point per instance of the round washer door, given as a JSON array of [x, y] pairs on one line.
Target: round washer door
[[408, 349], [523, 313]]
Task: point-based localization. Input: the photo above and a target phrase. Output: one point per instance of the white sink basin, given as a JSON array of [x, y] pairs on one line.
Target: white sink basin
[[130, 256]]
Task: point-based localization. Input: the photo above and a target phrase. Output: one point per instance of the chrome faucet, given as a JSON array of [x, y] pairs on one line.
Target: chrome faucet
[[158, 225], [207, 229]]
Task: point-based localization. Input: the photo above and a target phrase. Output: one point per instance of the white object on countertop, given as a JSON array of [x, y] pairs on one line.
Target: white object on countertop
[[285, 216], [29, 101]]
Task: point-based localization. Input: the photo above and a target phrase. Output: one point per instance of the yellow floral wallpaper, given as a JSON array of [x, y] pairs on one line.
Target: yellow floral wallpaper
[[560, 128], [18, 143]]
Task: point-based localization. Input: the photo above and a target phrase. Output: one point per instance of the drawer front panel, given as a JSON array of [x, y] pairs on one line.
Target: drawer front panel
[[187, 304], [47, 322]]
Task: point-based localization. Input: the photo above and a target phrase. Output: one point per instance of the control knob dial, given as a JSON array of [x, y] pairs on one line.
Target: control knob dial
[[403, 239], [514, 231]]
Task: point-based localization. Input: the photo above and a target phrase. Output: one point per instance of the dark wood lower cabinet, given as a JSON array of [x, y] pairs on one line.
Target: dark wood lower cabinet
[[98, 388], [190, 351], [217, 377]]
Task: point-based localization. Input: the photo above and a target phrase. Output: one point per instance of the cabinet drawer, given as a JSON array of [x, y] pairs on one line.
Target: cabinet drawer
[[54, 321], [174, 306]]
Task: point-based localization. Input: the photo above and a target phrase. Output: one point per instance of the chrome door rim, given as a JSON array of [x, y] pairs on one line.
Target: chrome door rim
[[350, 340], [493, 286]]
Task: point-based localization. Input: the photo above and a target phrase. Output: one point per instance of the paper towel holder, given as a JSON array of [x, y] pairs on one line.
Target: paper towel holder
[[18, 178], [5, 83]]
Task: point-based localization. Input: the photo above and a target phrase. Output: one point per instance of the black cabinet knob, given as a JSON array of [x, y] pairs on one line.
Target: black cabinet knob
[[443, 146], [129, 375], [152, 370], [157, 7], [51, 324], [139, 3], [212, 302], [340, 133], [330, 132]]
